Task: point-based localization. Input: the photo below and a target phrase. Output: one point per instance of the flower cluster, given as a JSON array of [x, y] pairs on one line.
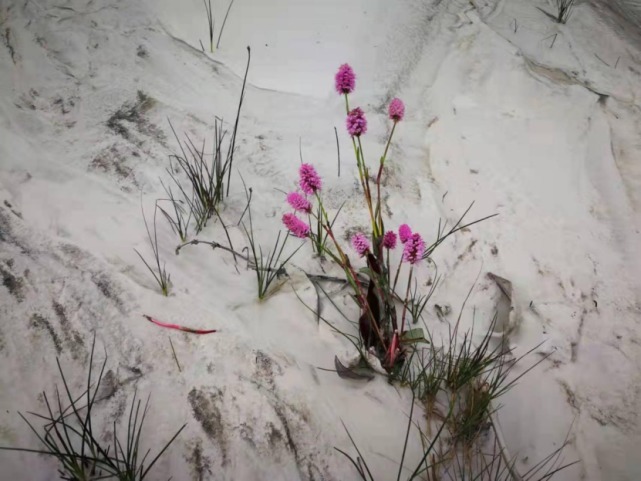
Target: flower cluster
[[299, 203], [396, 110], [404, 233], [345, 79], [310, 181], [389, 240], [296, 226], [414, 249], [356, 122], [360, 244], [372, 246]]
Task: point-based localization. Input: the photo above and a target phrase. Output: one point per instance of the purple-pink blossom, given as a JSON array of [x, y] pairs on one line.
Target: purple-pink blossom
[[310, 181], [356, 122], [404, 233], [414, 249], [396, 110], [299, 202], [360, 244], [345, 79], [295, 225], [389, 240]]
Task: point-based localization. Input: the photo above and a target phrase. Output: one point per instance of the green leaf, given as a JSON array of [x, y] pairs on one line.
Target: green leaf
[[366, 271], [413, 336]]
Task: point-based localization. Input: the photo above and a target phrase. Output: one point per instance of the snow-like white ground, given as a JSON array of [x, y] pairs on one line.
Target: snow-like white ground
[[536, 121]]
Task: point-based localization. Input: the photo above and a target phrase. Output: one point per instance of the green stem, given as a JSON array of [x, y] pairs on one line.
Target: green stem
[[388, 143], [352, 277], [398, 271], [368, 192], [387, 269], [379, 212], [407, 293]]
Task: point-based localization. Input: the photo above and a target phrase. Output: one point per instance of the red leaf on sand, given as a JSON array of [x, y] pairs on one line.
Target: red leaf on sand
[[177, 327]]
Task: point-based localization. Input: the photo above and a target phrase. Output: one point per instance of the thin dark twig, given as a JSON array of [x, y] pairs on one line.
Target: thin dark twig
[[322, 277], [300, 149], [231, 246], [174, 352], [338, 151], [318, 299], [232, 144], [214, 245], [249, 199], [604, 62]]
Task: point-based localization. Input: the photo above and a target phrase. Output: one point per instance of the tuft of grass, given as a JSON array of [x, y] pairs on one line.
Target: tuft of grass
[[271, 267], [443, 234], [69, 435], [159, 272], [211, 23], [491, 463], [424, 372], [466, 361], [181, 217], [422, 468], [208, 175], [417, 301], [564, 10], [441, 461], [477, 401], [129, 459], [203, 177], [318, 234]]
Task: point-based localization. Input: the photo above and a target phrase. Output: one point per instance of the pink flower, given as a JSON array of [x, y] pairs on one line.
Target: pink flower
[[404, 232], [414, 249], [345, 79], [396, 110], [389, 240], [356, 122], [360, 244], [296, 226], [299, 202], [310, 181]]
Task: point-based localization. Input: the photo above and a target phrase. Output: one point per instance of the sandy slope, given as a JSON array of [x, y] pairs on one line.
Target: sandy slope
[[545, 136], [631, 9]]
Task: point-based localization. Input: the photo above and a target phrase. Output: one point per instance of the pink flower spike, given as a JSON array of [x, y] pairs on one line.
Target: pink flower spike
[[396, 110], [310, 181], [414, 249], [356, 122], [404, 232], [360, 244], [345, 79], [296, 226], [299, 202], [389, 240]]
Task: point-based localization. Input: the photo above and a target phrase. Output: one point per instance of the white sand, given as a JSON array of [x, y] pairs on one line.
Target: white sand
[[541, 125]]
